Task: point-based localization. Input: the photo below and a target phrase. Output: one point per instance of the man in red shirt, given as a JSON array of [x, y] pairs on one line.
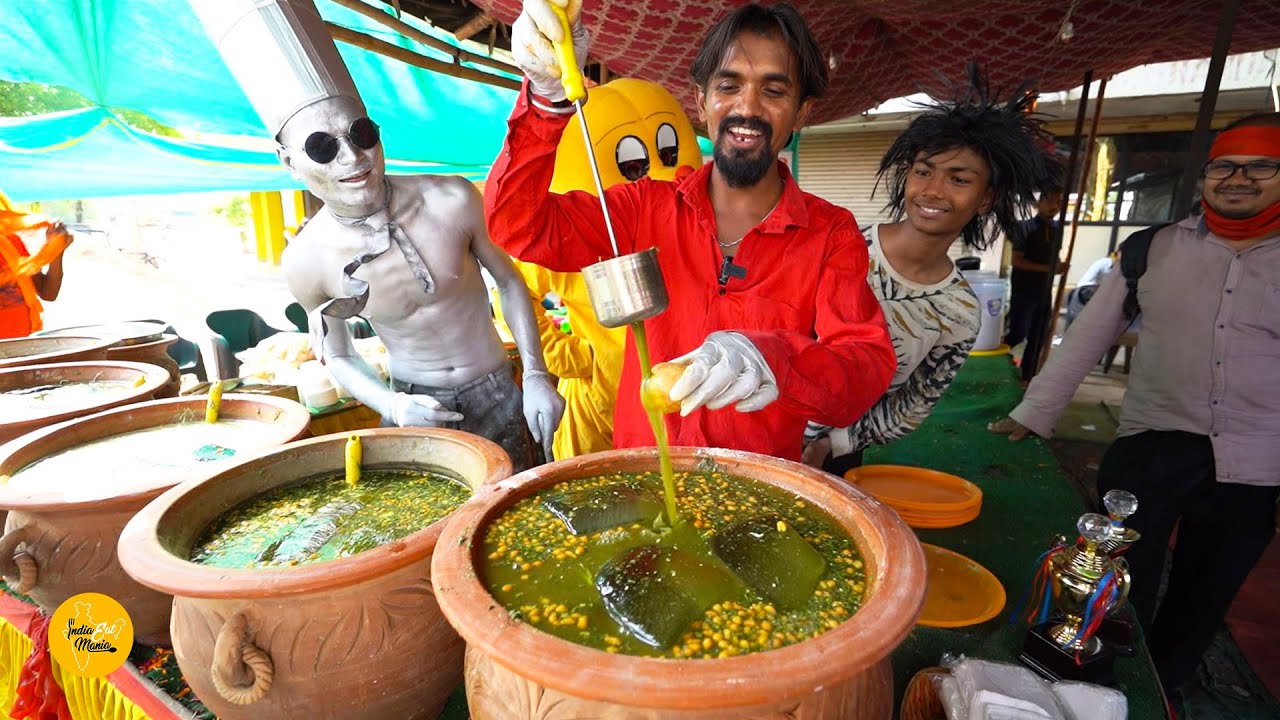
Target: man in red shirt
[[770, 310]]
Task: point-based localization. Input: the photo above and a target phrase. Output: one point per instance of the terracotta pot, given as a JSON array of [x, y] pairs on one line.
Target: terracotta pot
[[358, 637], [57, 546], [514, 671], [155, 352], [33, 376], [20, 352]]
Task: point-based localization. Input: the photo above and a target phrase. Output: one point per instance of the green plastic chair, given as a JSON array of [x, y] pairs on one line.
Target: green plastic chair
[[360, 328], [296, 314], [235, 331]]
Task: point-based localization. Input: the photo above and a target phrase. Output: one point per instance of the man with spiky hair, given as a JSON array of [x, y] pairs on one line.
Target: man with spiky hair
[[768, 309], [962, 169]]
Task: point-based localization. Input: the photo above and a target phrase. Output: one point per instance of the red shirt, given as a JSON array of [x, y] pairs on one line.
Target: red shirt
[[804, 302]]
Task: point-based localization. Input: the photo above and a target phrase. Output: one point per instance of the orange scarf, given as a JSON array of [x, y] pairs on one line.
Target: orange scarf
[[18, 269]]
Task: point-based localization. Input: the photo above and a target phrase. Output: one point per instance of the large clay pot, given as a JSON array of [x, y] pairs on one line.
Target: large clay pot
[[514, 671], [151, 379], [58, 545], [155, 352], [19, 352], [358, 637], [135, 341]]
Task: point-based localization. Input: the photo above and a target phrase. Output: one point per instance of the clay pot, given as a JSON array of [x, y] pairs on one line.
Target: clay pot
[[57, 546], [514, 671], [153, 378], [20, 352], [135, 341], [155, 352], [358, 637]]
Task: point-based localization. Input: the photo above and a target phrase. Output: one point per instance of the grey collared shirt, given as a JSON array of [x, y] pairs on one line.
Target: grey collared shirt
[[1208, 354]]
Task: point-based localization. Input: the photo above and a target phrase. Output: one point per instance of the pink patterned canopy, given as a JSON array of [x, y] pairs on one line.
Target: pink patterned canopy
[[888, 48]]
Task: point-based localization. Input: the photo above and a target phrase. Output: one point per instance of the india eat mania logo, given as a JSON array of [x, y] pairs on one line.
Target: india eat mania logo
[[90, 635]]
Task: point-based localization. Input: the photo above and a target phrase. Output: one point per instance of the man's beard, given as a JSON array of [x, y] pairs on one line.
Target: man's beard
[[739, 168], [1226, 212]]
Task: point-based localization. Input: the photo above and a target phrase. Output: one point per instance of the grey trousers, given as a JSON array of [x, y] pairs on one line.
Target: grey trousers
[[492, 407]]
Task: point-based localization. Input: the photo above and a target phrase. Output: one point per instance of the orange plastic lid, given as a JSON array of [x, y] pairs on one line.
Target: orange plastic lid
[[917, 489], [960, 592], [937, 520]]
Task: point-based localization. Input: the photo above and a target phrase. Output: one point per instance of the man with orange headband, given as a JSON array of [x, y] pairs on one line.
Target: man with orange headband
[[1199, 435], [25, 279]]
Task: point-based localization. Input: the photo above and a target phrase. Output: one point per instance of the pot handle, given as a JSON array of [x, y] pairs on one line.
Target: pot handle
[[18, 563], [242, 672]]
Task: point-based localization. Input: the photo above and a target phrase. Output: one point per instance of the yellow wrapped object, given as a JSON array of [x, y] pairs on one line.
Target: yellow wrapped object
[[214, 404], [354, 457]]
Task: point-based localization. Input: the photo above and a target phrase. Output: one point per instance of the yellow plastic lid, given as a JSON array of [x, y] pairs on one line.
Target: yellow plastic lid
[[960, 592]]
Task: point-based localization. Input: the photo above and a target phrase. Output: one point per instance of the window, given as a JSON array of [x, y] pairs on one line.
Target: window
[[1133, 179]]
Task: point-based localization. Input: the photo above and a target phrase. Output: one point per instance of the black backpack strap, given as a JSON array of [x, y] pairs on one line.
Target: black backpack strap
[[1133, 263]]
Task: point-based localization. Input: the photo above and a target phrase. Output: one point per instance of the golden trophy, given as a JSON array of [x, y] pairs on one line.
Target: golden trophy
[[1118, 628], [1079, 585]]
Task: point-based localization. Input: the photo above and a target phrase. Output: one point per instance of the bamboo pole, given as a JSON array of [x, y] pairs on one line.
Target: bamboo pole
[[1046, 346], [413, 33], [372, 44], [1082, 110], [479, 21], [1208, 104]]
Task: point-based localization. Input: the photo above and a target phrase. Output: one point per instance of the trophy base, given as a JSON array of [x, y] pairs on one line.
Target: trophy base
[[1042, 654], [1120, 635]]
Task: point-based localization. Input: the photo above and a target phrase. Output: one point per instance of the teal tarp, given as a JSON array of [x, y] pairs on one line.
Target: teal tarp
[[153, 56]]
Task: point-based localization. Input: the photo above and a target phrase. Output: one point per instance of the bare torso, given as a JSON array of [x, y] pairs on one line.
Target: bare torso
[[441, 339]]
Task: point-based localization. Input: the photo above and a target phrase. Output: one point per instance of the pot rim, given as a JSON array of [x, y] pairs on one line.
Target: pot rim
[[893, 602], [164, 340], [94, 344], [149, 561], [35, 445], [154, 377]]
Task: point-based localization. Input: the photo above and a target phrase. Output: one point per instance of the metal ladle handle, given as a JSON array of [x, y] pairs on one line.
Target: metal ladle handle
[[575, 90]]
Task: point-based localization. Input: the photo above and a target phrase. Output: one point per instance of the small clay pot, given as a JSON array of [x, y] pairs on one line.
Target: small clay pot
[[517, 672], [37, 350], [357, 637], [153, 378], [55, 547]]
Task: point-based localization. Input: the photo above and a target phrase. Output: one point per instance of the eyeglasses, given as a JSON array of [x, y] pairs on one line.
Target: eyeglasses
[[323, 147], [1255, 170]]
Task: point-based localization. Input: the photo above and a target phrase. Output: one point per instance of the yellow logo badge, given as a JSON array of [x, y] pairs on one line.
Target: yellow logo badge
[[90, 635]]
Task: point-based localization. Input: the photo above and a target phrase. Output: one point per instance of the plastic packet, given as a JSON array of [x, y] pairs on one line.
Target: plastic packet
[[1086, 701]]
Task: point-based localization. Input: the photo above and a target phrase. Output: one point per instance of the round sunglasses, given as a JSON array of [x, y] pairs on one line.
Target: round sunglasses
[[323, 147]]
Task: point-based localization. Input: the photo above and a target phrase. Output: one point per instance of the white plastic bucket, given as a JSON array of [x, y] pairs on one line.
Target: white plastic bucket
[[992, 291]]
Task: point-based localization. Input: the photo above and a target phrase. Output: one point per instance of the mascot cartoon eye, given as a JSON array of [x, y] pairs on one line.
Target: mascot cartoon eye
[[668, 145], [632, 157]]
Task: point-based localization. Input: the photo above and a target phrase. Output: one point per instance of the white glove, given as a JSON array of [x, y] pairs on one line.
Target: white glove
[[727, 369], [532, 35], [420, 411], [543, 408]]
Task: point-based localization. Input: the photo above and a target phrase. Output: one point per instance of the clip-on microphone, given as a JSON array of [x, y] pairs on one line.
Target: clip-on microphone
[[728, 270]]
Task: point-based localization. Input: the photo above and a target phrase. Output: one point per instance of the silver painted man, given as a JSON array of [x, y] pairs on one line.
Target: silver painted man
[[403, 252]]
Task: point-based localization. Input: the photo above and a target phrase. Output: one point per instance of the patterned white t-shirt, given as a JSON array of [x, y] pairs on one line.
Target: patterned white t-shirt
[[933, 327]]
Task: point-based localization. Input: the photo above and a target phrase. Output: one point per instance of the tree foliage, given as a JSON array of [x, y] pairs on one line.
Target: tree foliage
[[24, 99]]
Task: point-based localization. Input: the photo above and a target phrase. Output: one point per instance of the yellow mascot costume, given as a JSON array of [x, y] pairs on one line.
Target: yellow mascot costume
[[638, 130]]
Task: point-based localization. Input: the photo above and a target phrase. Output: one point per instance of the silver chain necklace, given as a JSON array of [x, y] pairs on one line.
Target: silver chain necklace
[[728, 245]]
